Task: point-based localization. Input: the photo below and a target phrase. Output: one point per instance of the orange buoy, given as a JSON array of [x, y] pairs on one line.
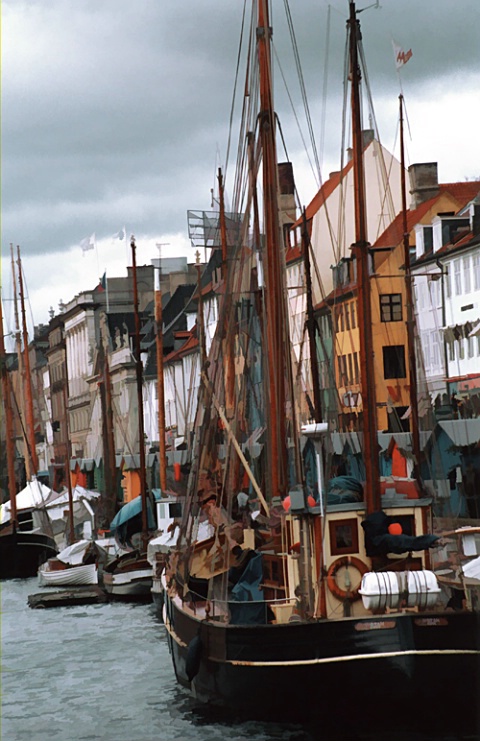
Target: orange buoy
[[177, 472], [395, 528]]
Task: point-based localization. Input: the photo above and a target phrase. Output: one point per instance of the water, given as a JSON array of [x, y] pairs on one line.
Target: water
[[103, 672]]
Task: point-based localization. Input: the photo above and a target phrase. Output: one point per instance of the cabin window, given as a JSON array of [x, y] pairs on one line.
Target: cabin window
[[394, 361], [391, 307], [344, 536], [176, 509]]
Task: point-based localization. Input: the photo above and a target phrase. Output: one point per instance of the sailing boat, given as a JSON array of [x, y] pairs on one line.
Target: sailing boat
[[23, 547], [295, 606], [130, 575]]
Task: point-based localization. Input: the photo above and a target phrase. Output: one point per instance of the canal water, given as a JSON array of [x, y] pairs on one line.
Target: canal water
[[103, 672]]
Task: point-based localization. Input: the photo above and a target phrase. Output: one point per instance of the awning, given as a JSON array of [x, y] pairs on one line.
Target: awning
[[87, 464], [341, 439], [462, 432]]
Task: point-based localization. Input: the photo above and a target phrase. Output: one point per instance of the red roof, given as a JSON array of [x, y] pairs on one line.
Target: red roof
[[190, 345], [462, 192]]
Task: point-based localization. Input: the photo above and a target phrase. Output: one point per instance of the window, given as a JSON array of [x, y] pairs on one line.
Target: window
[[357, 371], [347, 316], [458, 277], [461, 349], [467, 282], [448, 283], [470, 347], [394, 361], [350, 368], [436, 348], [344, 536], [391, 307], [476, 271], [353, 315], [428, 238]]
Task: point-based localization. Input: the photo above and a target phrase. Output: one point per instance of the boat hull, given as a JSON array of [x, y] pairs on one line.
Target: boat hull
[[85, 574], [158, 596], [135, 584], [21, 553], [412, 665]]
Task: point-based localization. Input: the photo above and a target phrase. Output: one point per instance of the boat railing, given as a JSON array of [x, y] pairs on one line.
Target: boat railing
[[222, 609]]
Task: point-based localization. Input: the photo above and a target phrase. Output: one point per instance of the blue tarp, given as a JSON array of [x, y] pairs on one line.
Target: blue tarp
[[247, 606], [131, 510]]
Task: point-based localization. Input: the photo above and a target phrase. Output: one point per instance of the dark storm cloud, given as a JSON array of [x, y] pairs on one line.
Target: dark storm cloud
[[113, 111]]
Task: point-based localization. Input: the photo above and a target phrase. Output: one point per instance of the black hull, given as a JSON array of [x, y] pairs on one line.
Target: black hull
[[21, 553], [414, 668]]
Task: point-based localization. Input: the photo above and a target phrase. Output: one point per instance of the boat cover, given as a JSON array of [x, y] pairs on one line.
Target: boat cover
[[379, 542], [247, 604], [33, 495]]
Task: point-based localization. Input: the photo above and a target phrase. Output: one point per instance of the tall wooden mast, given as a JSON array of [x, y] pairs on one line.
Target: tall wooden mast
[[30, 419], [317, 399], [21, 370], [109, 498], [362, 252], [68, 480], [7, 401], [412, 361], [139, 377], [274, 299], [160, 383]]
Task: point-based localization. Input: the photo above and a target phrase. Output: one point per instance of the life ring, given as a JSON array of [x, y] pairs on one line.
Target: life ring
[[342, 562]]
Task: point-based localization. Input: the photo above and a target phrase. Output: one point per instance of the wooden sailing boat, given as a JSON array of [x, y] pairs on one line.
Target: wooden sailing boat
[[22, 547], [130, 575], [289, 608]]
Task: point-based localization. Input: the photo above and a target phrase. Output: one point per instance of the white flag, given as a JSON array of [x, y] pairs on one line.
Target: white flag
[[401, 57], [121, 235], [88, 243]]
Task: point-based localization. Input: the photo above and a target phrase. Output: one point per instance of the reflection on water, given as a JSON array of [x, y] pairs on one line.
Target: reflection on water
[[103, 672]]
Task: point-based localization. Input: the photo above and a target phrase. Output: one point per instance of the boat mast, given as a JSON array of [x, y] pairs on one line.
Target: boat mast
[[311, 327], [412, 362], [361, 249], [7, 400], [200, 319], [105, 384], [139, 376], [275, 312], [160, 383], [227, 339], [30, 420], [21, 371], [71, 520]]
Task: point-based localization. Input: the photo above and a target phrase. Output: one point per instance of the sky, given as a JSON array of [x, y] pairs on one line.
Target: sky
[[115, 114]]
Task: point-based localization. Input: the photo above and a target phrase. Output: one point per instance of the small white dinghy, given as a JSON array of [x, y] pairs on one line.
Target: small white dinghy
[[69, 567]]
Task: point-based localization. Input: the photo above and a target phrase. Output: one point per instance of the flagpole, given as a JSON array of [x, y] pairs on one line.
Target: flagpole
[[106, 289]]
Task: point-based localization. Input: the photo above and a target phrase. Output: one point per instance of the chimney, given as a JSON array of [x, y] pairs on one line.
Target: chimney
[[423, 182], [368, 135], [286, 180], [286, 184]]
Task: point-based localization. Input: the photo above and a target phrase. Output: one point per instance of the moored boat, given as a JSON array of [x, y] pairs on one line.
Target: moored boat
[[299, 605]]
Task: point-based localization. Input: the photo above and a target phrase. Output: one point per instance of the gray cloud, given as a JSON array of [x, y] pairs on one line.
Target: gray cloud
[[113, 111]]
